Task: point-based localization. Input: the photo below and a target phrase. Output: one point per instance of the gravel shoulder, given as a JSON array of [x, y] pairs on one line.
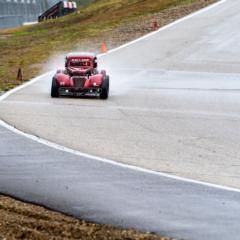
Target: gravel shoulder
[[25, 221]]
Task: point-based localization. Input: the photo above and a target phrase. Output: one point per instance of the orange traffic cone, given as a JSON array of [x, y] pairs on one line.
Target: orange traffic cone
[[104, 47], [155, 25]]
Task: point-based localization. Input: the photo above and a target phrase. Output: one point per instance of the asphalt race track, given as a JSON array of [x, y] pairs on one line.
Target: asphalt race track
[[106, 193], [174, 108], [174, 104]]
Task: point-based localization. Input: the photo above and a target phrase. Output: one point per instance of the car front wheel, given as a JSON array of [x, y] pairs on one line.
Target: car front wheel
[[54, 89], [105, 88]]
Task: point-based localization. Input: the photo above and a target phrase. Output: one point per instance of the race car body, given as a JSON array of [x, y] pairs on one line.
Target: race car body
[[80, 78]]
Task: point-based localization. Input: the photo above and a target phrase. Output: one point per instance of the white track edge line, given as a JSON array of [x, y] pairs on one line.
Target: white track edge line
[[105, 160]]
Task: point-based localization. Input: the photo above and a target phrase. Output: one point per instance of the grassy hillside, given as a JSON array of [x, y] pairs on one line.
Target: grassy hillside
[[28, 47], [84, 2]]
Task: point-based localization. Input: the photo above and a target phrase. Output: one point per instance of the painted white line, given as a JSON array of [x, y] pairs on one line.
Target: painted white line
[[29, 23], [78, 153]]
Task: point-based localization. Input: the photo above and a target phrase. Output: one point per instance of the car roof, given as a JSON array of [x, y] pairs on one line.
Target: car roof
[[81, 54]]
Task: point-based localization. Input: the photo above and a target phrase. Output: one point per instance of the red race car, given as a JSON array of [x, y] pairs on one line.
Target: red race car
[[80, 77]]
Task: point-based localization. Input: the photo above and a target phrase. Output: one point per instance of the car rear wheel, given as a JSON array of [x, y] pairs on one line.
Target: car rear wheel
[[105, 88], [54, 89]]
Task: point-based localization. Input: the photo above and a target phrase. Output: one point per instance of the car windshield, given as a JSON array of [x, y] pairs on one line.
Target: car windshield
[[79, 62]]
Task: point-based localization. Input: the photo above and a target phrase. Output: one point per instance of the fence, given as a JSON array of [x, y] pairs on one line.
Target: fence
[[16, 12]]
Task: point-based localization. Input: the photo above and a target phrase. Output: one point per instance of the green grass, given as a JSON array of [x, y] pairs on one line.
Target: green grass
[[28, 47], [84, 2]]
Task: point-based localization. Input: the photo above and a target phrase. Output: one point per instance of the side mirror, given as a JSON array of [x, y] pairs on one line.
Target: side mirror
[[95, 65], [66, 63]]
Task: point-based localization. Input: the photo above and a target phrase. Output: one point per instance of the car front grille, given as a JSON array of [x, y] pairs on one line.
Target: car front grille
[[79, 82]]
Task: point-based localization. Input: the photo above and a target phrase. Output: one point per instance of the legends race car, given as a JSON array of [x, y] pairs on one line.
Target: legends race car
[[80, 77]]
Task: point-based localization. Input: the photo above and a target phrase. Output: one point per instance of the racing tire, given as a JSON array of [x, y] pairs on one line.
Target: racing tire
[[54, 89], [105, 88]]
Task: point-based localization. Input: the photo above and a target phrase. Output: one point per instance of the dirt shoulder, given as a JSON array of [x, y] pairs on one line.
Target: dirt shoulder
[[25, 221]]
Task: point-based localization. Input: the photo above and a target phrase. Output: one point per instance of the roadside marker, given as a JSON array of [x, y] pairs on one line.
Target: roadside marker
[[19, 75], [155, 25]]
